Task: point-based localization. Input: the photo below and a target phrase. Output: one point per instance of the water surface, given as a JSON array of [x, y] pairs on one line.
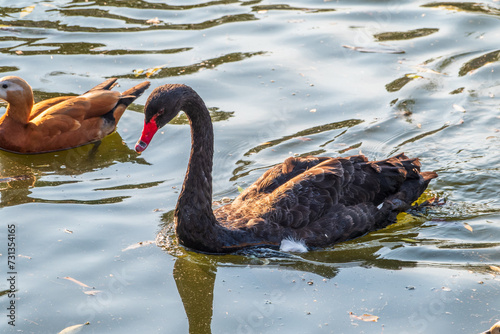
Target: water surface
[[330, 78]]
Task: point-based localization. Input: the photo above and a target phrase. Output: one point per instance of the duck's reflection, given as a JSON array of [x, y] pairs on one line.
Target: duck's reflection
[[19, 173]]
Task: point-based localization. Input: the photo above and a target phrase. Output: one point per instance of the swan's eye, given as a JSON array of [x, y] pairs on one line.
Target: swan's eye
[[4, 86]]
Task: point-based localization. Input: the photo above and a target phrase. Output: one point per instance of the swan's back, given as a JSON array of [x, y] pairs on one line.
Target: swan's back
[[304, 198]]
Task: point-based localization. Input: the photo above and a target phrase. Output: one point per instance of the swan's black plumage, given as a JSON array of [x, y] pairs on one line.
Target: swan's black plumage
[[319, 200]]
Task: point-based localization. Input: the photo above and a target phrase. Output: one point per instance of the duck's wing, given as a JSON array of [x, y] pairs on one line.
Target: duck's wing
[[106, 85], [69, 114], [42, 106]]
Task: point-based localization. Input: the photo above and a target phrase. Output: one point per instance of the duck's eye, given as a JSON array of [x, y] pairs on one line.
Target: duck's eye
[[4, 86]]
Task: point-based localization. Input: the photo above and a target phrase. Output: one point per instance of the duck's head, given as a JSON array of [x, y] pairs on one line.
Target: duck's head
[[495, 329], [16, 91]]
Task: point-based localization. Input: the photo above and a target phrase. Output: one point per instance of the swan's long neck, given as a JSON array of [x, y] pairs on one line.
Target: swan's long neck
[[198, 180], [195, 222]]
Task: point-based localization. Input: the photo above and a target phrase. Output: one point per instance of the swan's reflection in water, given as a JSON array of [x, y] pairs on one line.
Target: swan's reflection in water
[[195, 276], [195, 283], [195, 273]]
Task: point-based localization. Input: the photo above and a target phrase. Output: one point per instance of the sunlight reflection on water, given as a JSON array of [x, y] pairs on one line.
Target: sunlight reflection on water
[[279, 82]]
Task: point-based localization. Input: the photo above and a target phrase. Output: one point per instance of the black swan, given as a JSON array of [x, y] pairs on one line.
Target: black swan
[[304, 202]]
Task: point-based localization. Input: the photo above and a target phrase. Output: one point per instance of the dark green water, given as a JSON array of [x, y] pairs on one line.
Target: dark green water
[[281, 78]]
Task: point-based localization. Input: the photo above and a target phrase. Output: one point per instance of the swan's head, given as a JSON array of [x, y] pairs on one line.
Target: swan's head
[[162, 106]]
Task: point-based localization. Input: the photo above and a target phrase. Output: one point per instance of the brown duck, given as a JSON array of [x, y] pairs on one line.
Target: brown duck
[[300, 204], [495, 329], [62, 122]]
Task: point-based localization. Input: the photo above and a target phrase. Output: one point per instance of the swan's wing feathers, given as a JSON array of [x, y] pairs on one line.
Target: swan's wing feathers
[[343, 223], [303, 191], [381, 179], [291, 194], [279, 175]]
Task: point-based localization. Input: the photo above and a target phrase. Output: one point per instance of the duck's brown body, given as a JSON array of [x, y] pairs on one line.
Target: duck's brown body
[[62, 122]]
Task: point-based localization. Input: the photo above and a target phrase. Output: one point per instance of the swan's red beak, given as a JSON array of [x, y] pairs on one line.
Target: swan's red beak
[[148, 132]]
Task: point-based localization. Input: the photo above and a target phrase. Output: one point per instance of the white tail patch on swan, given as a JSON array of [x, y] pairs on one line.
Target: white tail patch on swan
[[291, 245]]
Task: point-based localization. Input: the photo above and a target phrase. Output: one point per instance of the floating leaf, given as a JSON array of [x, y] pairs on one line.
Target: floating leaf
[[495, 268], [467, 226], [426, 70], [413, 241], [458, 108], [240, 189], [149, 72], [154, 21], [77, 282], [26, 11], [374, 50], [138, 72], [153, 70], [414, 76], [139, 244], [364, 317], [73, 329]]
